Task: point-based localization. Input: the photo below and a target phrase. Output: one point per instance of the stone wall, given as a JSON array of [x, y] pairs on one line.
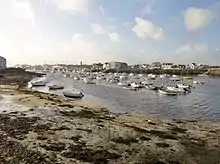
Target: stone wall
[[2, 63]]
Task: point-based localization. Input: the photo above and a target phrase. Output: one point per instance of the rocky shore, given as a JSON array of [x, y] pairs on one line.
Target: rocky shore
[[50, 129]]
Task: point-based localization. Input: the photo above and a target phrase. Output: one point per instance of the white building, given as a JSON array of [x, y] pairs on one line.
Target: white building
[[167, 65], [156, 65], [192, 66], [115, 65], [2, 63]]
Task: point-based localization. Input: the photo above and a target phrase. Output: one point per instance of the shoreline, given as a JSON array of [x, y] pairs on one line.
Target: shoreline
[[49, 129], [54, 129]]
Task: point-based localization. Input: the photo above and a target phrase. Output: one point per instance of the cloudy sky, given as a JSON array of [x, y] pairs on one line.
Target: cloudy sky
[[135, 31]]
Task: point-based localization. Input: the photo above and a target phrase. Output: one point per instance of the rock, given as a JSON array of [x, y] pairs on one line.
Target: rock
[[162, 144], [54, 146]]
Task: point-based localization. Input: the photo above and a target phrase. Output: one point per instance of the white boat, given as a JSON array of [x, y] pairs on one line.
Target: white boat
[[175, 76], [175, 79], [135, 85], [152, 76], [169, 93], [163, 76], [199, 82], [122, 84], [38, 83], [55, 87], [174, 89], [76, 78], [89, 81], [195, 82], [66, 75], [183, 86], [73, 94], [130, 88]]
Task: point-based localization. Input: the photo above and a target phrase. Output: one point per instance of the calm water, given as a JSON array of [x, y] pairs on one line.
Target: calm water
[[202, 103]]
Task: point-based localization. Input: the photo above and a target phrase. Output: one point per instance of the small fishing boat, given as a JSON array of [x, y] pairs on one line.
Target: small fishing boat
[[130, 88], [38, 83], [73, 94], [199, 82], [66, 75], [183, 86], [76, 78], [122, 84], [89, 81], [195, 82], [174, 79], [135, 85], [174, 89], [153, 87], [55, 87], [169, 93], [152, 76]]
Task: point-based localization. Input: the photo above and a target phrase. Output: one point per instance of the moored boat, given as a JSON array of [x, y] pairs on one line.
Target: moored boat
[[55, 87], [169, 93], [174, 89], [73, 94], [89, 81], [38, 83], [183, 86]]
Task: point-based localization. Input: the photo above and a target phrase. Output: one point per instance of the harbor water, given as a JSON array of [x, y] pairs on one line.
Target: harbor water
[[202, 103]]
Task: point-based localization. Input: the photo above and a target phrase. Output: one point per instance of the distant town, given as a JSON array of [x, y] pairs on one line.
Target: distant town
[[113, 66]]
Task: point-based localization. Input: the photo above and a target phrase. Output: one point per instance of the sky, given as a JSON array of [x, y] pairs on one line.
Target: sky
[[133, 31]]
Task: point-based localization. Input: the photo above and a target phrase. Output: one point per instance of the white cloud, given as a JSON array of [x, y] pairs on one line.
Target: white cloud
[[74, 6], [196, 18], [114, 37], [23, 9], [102, 10], [106, 31], [98, 29], [147, 29]]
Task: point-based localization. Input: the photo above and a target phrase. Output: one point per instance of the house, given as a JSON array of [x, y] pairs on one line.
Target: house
[[3, 63], [115, 65], [145, 66], [156, 65], [136, 66], [182, 66], [167, 65], [97, 66], [192, 66]]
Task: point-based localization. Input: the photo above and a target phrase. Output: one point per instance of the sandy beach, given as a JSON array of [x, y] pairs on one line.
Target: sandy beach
[[44, 128]]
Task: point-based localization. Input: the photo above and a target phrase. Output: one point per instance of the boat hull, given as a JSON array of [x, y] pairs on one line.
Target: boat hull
[[73, 95], [55, 88], [38, 84]]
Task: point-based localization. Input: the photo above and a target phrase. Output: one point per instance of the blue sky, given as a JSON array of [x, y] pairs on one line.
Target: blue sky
[[134, 31]]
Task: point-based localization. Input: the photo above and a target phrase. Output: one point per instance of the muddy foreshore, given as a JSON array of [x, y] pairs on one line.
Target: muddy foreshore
[[51, 129]]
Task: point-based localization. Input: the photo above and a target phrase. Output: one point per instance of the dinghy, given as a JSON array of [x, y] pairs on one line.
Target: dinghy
[[55, 87], [73, 94]]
